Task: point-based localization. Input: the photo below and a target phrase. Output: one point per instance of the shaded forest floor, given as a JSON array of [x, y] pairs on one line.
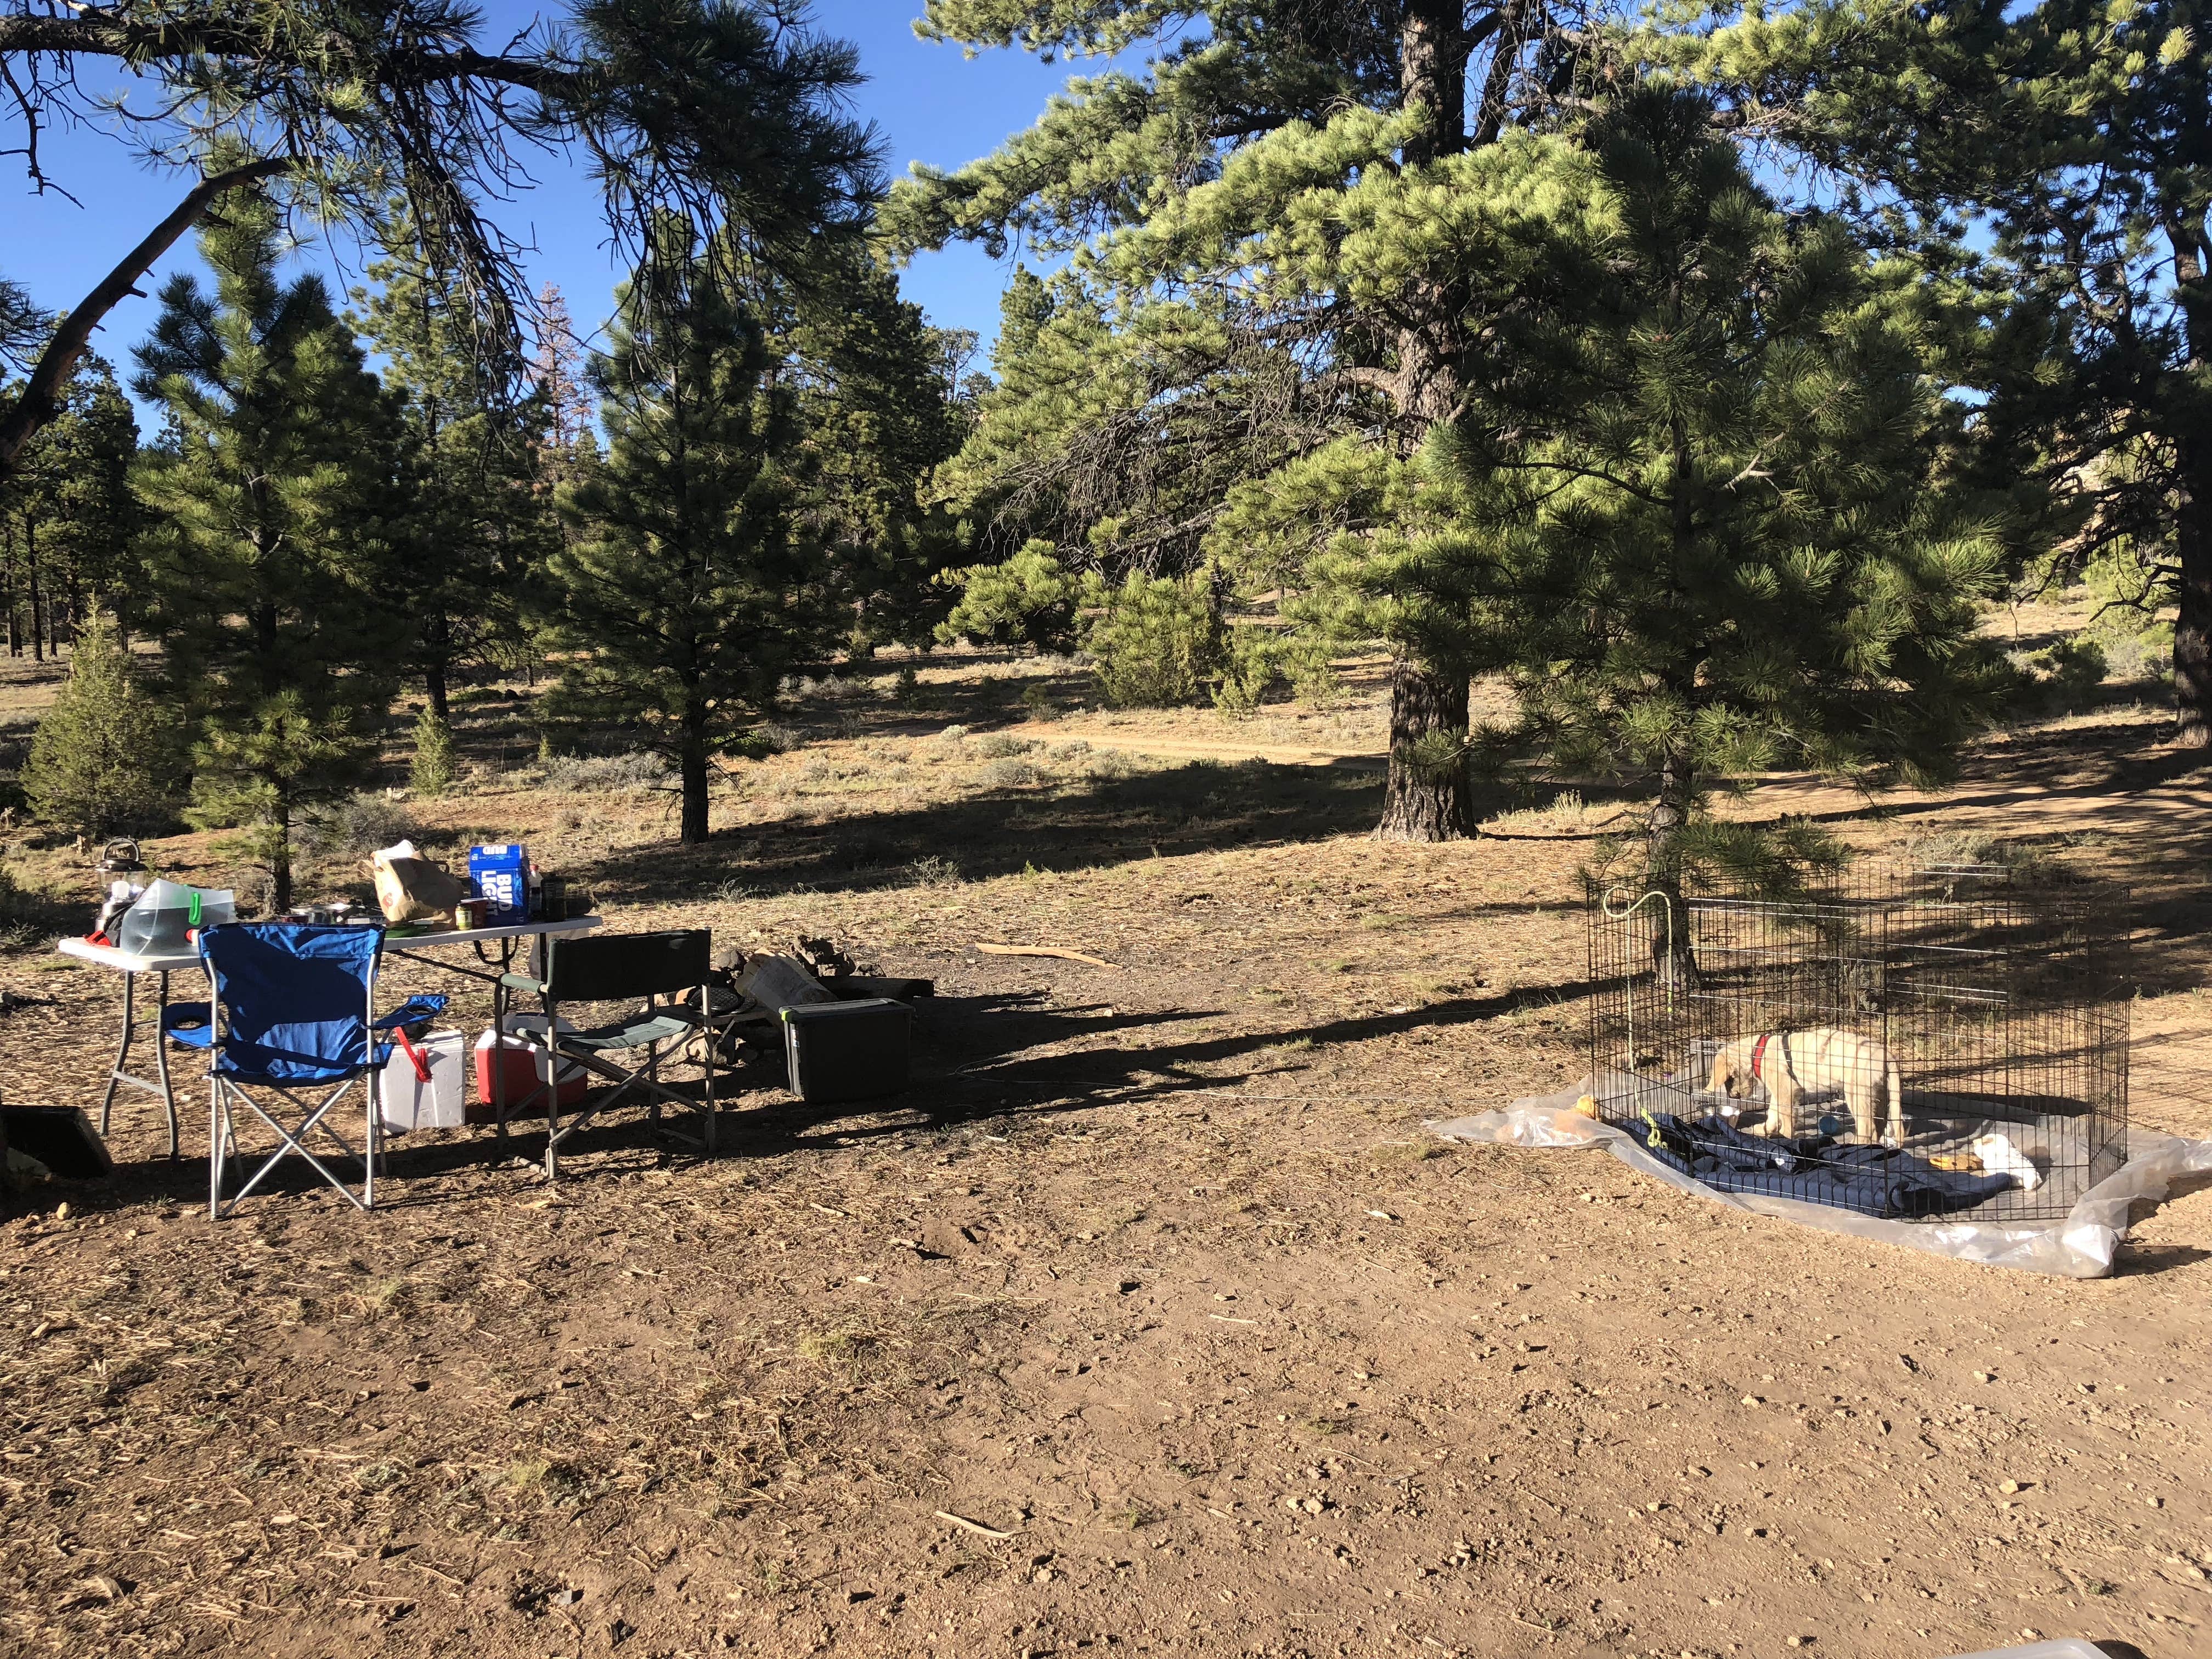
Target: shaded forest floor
[[1155, 1277]]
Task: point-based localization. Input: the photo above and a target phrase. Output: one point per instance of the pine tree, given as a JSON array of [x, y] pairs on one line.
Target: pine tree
[[566, 451], [478, 528], [2049, 165], [106, 757], [1705, 522], [692, 582], [273, 571], [558, 373], [876, 401], [433, 769], [23, 326], [1023, 310], [1266, 217], [67, 515]]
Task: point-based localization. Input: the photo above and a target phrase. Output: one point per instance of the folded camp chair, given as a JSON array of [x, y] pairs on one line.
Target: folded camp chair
[[667, 975], [293, 1020]]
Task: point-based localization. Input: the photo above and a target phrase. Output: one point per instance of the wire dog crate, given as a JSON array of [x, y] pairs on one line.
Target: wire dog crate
[[1951, 1042]]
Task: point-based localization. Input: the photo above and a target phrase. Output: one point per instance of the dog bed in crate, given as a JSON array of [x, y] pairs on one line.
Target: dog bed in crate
[[1880, 1181]]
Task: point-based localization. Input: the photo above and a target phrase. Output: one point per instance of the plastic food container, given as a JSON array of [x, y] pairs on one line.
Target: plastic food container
[[164, 917], [405, 1100]]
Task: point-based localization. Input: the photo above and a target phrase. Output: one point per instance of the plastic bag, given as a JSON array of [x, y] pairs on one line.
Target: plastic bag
[[2081, 1246], [163, 919], [410, 888]]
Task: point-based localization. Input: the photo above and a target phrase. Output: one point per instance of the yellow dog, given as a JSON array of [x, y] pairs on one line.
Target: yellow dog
[[1795, 1064]]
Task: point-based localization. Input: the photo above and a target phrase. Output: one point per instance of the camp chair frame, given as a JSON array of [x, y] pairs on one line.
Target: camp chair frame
[[352, 1056], [669, 971]]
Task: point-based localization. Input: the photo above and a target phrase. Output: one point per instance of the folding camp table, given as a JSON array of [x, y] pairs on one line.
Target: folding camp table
[[131, 965], [491, 965]]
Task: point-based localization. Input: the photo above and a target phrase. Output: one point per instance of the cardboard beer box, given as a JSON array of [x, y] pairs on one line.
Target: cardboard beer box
[[502, 874]]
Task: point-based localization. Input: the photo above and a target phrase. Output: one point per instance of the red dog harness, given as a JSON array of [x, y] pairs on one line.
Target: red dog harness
[[1758, 1054]]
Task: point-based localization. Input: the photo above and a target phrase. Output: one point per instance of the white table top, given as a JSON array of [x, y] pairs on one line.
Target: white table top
[[126, 961], [476, 935]]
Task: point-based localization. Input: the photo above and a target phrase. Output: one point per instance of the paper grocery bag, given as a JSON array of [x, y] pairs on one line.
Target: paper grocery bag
[[410, 888]]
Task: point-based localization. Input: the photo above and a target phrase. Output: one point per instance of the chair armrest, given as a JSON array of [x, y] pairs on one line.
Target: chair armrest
[[523, 983], [424, 1006]]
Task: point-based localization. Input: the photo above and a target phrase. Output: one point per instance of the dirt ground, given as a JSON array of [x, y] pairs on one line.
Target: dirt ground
[[1152, 1319]]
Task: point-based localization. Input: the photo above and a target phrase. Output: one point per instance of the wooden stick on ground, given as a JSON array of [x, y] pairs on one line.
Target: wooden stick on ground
[[1044, 951], [976, 1527]]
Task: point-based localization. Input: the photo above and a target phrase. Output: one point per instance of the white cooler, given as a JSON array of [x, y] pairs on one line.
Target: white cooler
[[410, 1102]]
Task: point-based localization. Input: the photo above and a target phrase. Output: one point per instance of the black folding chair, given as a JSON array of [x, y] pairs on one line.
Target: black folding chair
[[657, 972]]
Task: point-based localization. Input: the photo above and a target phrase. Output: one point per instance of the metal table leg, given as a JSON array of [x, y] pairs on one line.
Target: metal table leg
[[115, 1073], [161, 1064], [499, 991], [499, 1039], [119, 1075]]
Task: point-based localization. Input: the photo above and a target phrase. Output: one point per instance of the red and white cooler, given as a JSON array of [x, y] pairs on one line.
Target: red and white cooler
[[509, 1071]]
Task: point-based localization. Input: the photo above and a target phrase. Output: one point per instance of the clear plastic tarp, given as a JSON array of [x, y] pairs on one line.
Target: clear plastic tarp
[[2081, 1246]]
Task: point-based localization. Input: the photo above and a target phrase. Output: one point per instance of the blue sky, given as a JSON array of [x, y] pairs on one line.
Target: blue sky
[[932, 104]]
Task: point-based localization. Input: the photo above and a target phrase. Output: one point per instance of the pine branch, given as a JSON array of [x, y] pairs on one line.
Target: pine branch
[[39, 400]]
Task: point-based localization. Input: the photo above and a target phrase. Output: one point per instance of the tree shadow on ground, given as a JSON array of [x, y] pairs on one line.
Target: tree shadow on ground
[[498, 725], [1204, 806], [975, 1065], [495, 726], [977, 1070], [2134, 1260], [981, 1050]]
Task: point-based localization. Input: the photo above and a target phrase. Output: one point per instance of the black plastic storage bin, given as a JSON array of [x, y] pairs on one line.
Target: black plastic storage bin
[[848, 1050]]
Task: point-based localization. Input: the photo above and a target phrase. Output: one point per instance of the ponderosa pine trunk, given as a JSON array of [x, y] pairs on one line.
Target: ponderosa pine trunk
[[437, 661], [2192, 519], [692, 762], [280, 857], [2192, 626], [37, 600], [1428, 708], [1671, 953], [1426, 797], [1672, 959]]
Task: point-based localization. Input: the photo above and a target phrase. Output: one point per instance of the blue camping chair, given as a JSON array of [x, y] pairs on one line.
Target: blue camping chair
[[294, 1017]]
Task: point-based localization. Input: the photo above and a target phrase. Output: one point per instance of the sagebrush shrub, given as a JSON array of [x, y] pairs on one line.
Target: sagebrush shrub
[[354, 828], [607, 775]]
